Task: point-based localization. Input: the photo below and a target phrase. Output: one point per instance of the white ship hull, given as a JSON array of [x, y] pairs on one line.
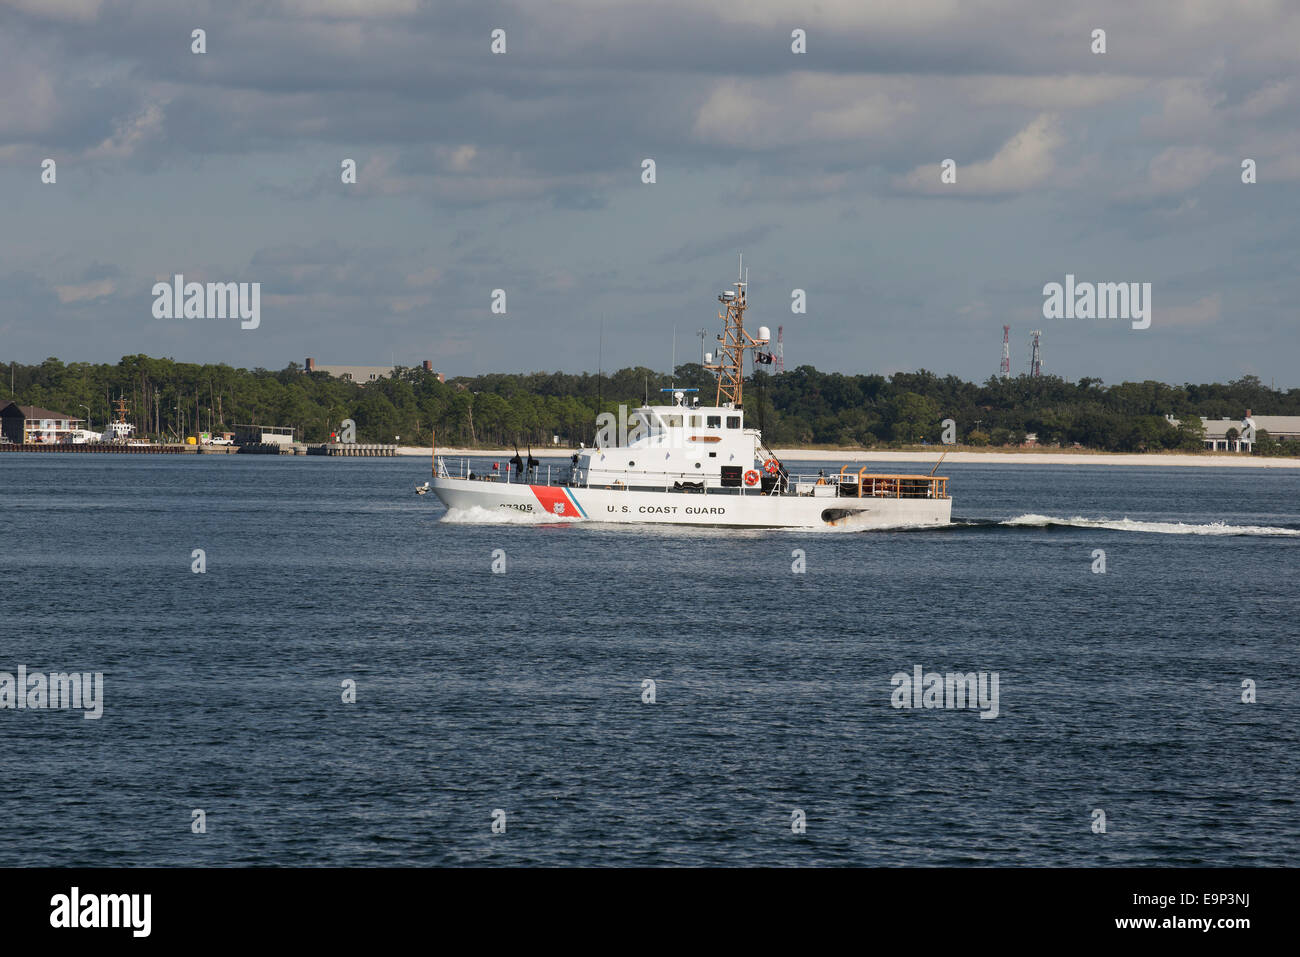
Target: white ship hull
[[686, 463], [746, 510]]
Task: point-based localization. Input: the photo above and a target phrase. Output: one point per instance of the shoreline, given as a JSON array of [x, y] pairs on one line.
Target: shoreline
[[1146, 459]]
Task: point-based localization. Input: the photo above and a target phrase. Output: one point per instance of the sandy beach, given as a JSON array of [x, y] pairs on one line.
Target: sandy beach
[[954, 457]]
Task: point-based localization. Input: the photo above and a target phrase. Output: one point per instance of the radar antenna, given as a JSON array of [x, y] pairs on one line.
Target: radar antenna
[[733, 342]]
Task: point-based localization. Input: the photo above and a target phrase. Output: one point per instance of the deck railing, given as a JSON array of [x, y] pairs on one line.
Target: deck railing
[[860, 484]]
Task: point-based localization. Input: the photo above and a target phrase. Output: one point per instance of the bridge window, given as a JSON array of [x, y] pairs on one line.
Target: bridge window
[[715, 421], [695, 421], [733, 421], [673, 421]]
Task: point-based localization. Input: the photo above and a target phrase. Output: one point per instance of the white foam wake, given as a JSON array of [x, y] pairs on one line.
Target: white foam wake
[[477, 515], [1160, 528]]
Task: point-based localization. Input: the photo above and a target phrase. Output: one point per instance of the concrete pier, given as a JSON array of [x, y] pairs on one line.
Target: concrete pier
[[177, 448], [167, 448], [272, 448], [352, 448]]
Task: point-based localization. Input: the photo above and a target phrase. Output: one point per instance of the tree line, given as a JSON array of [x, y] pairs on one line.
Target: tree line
[[801, 407]]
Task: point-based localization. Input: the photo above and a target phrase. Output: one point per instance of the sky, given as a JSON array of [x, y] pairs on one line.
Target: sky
[[524, 171]]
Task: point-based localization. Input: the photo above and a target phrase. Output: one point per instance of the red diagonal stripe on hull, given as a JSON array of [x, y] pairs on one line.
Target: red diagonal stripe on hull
[[554, 501]]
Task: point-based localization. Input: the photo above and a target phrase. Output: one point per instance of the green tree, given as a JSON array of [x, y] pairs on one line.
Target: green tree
[[1191, 433], [913, 417]]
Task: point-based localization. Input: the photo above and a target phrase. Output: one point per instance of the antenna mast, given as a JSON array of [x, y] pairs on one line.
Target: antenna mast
[[1036, 359], [1006, 351], [780, 349], [734, 340]]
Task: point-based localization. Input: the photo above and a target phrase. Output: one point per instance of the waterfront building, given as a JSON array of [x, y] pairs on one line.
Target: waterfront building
[[30, 424]]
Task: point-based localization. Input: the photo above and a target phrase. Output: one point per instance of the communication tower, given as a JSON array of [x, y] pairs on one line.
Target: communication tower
[[729, 360]]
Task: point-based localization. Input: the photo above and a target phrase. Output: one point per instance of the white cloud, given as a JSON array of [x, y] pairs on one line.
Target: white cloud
[[402, 304], [86, 291], [1180, 168], [1024, 161], [1190, 109], [79, 10], [1285, 168], [1201, 312], [1269, 98], [130, 134], [351, 8], [427, 276], [1066, 92], [30, 100], [838, 14], [801, 108], [457, 158]]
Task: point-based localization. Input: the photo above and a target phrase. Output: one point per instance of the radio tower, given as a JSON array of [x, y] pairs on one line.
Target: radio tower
[[1036, 359], [780, 349], [729, 360], [1006, 352]]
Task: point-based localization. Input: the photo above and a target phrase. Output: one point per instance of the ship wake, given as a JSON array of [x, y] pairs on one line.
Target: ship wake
[[477, 515], [1133, 525]]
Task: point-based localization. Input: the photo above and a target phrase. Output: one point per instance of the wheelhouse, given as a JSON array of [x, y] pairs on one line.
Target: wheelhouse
[[684, 447]]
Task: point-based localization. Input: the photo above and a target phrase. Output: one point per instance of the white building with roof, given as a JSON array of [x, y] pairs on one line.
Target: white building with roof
[[362, 374], [1227, 434]]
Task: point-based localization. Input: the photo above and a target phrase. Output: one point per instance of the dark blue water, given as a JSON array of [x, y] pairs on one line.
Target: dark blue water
[[522, 691]]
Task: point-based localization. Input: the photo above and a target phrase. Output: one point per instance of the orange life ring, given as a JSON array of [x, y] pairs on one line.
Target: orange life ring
[[771, 466], [751, 477]]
